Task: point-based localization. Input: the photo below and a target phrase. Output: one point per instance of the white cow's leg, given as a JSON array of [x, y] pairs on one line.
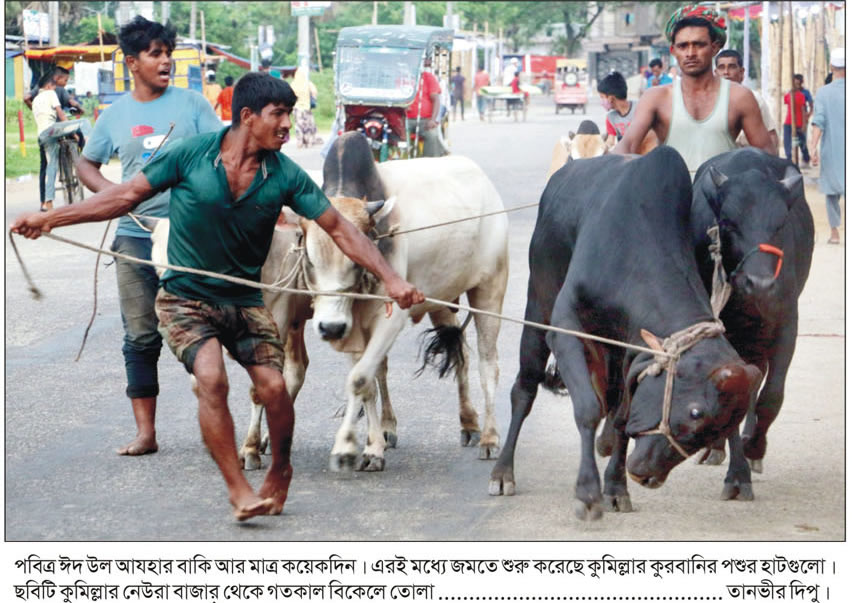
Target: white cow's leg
[[388, 416], [250, 450], [361, 391], [487, 328]]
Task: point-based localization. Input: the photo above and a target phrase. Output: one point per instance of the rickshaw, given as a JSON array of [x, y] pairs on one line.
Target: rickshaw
[[376, 76], [569, 91]]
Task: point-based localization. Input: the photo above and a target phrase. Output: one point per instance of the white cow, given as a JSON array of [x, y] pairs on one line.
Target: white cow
[[466, 257]]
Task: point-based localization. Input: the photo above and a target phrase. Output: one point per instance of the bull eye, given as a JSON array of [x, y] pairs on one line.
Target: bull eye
[[696, 413]]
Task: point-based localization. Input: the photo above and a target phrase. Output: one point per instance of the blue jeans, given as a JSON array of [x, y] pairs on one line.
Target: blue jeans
[[51, 151], [800, 141], [137, 289]]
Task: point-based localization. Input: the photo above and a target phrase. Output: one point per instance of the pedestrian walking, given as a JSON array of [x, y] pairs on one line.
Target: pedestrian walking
[[828, 140]]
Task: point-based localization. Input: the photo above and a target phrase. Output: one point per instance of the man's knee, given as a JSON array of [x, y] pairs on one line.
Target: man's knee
[[270, 387]]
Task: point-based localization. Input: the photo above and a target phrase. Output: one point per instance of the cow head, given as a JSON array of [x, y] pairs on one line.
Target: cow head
[[710, 396], [587, 142], [752, 209], [327, 268]]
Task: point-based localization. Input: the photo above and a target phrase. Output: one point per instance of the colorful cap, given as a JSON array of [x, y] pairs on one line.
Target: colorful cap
[[716, 21]]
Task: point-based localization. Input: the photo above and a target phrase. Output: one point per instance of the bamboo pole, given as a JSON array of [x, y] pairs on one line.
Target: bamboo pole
[[203, 46], [793, 127], [317, 45], [101, 37]]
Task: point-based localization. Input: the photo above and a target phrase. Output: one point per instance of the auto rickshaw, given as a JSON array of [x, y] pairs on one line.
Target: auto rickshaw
[[377, 71], [570, 90]]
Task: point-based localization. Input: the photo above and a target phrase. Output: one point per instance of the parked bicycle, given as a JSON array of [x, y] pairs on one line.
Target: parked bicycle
[[69, 152]]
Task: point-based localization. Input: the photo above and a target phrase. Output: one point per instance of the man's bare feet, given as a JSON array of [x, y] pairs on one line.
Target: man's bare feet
[[252, 506], [140, 445], [275, 486]]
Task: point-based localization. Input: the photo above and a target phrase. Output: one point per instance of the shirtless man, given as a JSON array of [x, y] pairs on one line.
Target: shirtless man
[[227, 190], [701, 114]]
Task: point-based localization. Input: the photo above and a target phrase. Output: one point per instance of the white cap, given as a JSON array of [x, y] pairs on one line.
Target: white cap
[[211, 73], [838, 58]]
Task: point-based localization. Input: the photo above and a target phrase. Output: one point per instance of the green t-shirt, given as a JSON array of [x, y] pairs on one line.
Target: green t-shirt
[[212, 231]]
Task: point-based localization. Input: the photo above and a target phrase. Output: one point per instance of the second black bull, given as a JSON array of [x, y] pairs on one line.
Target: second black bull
[[612, 255], [767, 240]]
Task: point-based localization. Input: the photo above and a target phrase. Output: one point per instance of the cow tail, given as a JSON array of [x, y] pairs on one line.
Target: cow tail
[[553, 380], [442, 348]]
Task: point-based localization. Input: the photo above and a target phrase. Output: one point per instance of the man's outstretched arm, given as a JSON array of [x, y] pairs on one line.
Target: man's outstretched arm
[[111, 202]]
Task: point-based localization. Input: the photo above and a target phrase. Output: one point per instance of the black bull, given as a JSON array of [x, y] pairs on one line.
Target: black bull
[[767, 241], [611, 255]]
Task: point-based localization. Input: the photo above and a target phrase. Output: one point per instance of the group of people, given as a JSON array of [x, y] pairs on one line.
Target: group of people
[[223, 188], [705, 112]]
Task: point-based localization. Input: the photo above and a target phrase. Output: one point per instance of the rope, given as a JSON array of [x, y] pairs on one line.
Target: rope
[[672, 348], [362, 296], [393, 233], [721, 289]]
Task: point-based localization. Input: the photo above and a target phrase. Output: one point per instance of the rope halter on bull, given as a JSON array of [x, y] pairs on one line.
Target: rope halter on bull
[[666, 358]]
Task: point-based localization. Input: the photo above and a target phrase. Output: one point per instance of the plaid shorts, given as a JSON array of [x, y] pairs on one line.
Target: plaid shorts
[[248, 333]]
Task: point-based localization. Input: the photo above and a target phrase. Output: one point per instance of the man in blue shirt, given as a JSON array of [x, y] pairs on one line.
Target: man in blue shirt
[[657, 77], [134, 126], [228, 189]]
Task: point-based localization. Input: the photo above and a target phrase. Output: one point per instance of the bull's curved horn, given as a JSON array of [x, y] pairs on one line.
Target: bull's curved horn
[[792, 179], [373, 206], [718, 177], [736, 378]]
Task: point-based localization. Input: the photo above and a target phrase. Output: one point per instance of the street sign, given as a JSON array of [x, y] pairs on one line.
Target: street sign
[[308, 9]]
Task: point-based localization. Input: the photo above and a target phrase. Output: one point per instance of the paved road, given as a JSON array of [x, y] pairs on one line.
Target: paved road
[[65, 418]]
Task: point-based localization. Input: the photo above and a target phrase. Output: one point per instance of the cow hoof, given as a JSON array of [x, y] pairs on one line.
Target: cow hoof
[[756, 465], [617, 503], [470, 438], [487, 453], [499, 487], [588, 511], [251, 461], [711, 456], [371, 463], [738, 491], [341, 462], [390, 440]]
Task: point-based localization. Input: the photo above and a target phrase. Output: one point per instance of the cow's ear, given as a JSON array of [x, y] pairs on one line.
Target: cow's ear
[[605, 136], [794, 184], [711, 185]]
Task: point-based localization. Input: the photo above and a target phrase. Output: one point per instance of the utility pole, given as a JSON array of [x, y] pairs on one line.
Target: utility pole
[[53, 14], [764, 50], [408, 13], [164, 11], [746, 40], [375, 12], [192, 9], [305, 43]]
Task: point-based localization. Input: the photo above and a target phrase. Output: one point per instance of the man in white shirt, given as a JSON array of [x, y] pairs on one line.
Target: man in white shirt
[[47, 111], [729, 65]]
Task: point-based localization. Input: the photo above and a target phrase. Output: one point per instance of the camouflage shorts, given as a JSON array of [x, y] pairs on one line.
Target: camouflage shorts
[[248, 333]]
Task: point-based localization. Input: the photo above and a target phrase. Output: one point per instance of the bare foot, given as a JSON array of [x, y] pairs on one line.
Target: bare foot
[[275, 486], [139, 446], [252, 506]]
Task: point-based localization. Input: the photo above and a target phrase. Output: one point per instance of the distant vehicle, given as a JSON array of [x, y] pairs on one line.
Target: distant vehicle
[[377, 71], [570, 90]]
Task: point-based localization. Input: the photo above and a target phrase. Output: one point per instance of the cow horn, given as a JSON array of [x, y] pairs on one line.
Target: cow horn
[[652, 340], [373, 206], [718, 177], [570, 135], [792, 179], [736, 378]]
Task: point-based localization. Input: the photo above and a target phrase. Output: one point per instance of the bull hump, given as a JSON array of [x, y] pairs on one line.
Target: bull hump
[[349, 169]]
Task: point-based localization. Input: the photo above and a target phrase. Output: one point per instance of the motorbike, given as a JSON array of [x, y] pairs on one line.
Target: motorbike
[[377, 71]]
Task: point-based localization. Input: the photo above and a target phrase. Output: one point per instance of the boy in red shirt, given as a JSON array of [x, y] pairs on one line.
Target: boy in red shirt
[[803, 113]]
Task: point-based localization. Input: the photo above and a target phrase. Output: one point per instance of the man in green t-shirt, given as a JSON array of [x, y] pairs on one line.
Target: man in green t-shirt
[[227, 190]]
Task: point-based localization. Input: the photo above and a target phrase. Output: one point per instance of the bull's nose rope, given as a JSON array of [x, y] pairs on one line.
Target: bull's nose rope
[[673, 346], [280, 289]]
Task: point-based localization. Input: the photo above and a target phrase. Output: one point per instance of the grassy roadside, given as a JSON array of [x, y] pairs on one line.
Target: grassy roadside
[[16, 164]]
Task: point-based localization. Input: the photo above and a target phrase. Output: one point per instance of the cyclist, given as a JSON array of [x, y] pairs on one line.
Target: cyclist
[[47, 110], [60, 76]]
